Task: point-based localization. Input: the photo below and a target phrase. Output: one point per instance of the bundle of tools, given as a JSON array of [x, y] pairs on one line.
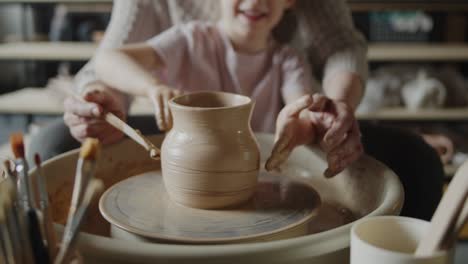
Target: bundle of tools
[[26, 224]]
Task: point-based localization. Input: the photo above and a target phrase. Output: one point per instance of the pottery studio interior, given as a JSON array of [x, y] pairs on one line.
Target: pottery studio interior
[[130, 133]]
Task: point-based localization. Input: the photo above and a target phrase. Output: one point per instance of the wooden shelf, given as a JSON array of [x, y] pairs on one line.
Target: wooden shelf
[[40, 101], [403, 114], [377, 52], [417, 52], [47, 51], [55, 1], [439, 6]]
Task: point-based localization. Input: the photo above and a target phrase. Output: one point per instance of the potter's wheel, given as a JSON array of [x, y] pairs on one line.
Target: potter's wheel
[[139, 206]]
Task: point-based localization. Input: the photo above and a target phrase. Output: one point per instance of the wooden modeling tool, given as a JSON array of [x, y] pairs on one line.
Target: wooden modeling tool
[[446, 214], [47, 220], [94, 188], [132, 133]]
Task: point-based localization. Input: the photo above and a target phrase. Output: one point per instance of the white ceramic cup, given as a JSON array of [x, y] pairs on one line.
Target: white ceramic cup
[[391, 240]]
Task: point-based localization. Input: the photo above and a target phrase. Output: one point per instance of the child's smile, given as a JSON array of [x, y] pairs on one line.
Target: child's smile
[[249, 23], [252, 15]]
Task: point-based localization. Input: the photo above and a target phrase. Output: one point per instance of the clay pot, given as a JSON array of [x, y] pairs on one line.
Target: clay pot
[[210, 158]]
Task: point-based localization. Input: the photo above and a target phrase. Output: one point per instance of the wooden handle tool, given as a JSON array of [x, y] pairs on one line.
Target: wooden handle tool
[[132, 133], [444, 220]]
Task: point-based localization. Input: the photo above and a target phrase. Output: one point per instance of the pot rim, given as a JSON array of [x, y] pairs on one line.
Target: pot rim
[[245, 101]]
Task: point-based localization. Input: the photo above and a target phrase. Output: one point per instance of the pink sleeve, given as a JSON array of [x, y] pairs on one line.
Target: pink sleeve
[[172, 46], [297, 77]]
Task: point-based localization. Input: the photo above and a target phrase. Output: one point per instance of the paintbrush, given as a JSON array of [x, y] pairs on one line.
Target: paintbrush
[[84, 172], [27, 201], [7, 246], [21, 169], [132, 133], [94, 188], [9, 172], [6, 194], [444, 220], [16, 219], [47, 220]]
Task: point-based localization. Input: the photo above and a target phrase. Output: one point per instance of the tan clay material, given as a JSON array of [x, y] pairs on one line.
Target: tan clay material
[[366, 188], [210, 158]]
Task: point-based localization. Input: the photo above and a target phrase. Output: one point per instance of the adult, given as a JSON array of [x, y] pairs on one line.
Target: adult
[[335, 50]]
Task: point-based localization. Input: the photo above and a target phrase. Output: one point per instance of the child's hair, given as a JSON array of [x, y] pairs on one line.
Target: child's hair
[[286, 29]]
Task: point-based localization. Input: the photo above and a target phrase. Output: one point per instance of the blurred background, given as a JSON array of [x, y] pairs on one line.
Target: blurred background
[[418, 57]]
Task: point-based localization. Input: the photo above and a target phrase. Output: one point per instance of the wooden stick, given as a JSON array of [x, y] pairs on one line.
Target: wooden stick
[[47, 221], [133, 134], [94, 188], [462, 220], [126, 129], [446, 215], [85, 170]]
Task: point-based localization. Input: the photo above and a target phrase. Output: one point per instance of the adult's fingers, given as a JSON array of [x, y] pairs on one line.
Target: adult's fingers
[[340, 127], [346, 153]]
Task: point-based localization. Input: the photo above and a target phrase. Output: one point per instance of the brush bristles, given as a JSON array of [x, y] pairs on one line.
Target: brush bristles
[[90, 149], [37, 160], [17, 144]]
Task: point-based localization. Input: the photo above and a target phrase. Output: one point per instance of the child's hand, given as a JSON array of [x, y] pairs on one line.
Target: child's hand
[[86, 119], [160, 97], [293, 128]]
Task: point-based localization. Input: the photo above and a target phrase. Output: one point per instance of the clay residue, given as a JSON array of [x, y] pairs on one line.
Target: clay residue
[[95, 223]]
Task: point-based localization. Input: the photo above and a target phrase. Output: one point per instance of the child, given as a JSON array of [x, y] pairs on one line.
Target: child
[[240, 54]]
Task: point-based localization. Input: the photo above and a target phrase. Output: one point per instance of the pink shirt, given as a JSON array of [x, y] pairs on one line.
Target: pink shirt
[[198, 56]]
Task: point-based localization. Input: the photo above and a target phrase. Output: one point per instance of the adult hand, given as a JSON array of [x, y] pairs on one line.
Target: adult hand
[[86, 119], [160, 97], [329, 123], [442, 144], [338, 133]]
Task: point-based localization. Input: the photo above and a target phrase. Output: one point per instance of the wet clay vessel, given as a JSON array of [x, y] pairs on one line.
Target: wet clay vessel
[[210, 158]]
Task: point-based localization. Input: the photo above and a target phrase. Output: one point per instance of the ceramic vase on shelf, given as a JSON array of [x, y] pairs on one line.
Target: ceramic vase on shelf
[[210, 158]]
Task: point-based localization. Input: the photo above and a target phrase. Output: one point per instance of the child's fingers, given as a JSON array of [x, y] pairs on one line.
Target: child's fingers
[[281, 144], [158, 112], [166, 96], [275, 160], [161, 113], [293, 109], [283, 141], [319, 102]]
